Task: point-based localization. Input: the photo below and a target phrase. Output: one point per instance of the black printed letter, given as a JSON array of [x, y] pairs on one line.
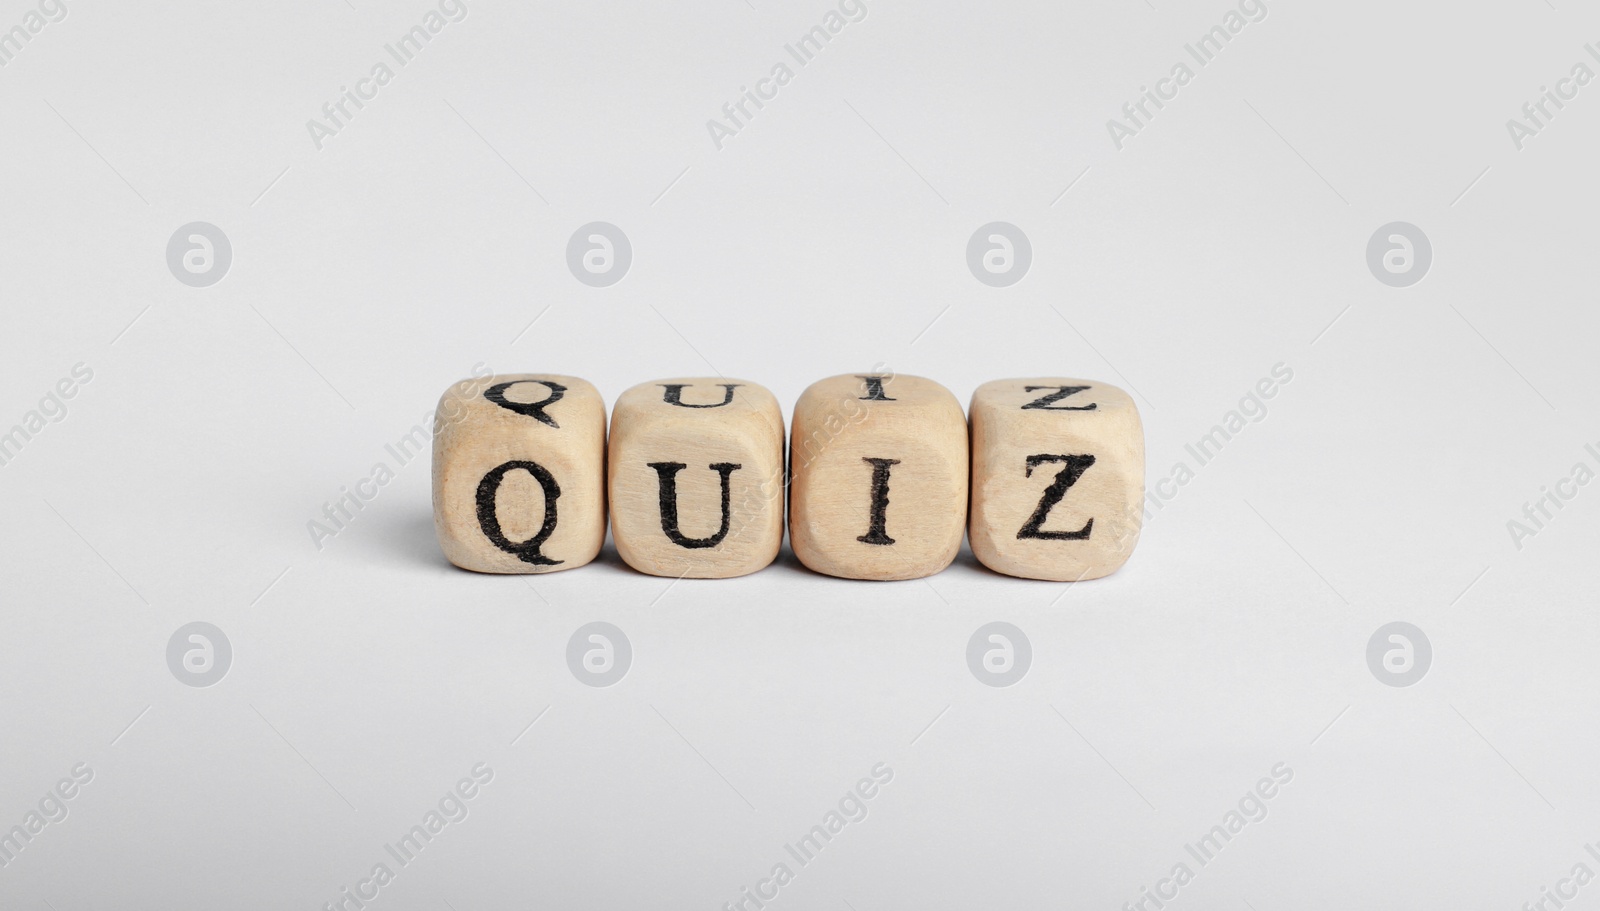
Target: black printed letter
[[535, 410], [674, 395], [1071, 471], [874, 389], [526, 551], [668, 472], [1047, 403], [880, 500]]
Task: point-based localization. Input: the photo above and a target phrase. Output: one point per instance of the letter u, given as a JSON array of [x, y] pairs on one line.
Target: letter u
[[668, 472]]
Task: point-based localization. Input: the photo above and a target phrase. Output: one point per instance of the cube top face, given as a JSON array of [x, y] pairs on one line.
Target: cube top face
[[1057, 477], [879, 477], [730, 404], [695, 474], [512, 399], [519, 473]]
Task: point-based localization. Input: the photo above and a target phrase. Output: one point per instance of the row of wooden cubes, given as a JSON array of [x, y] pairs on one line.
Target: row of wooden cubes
[[882, 477]]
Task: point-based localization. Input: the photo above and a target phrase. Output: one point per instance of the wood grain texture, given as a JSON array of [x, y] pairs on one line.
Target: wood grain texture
[[1057, 477], [519, 473], [695, 474], [878, 466]]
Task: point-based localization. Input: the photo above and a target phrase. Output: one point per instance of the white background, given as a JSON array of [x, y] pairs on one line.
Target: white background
[[829, 235]]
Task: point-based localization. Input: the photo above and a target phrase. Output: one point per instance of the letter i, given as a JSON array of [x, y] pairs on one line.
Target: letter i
[[876, 533]]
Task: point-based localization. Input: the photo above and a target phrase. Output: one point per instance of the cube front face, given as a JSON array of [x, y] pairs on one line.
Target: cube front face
[[878, 466], [695, 473], [519, 473], [1057, 478]]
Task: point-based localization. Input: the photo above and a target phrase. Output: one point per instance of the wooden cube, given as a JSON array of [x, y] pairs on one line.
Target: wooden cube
[[695, 473], [1057, 478], [878, 466], [519, 473]]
